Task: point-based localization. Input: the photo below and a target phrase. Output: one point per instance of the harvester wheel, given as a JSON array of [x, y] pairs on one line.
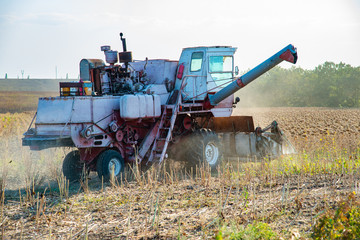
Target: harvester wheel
[[72, 167], [109, 163], [204, 146]]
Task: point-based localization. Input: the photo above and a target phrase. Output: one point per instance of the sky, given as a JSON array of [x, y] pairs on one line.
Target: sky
[[42, 38]]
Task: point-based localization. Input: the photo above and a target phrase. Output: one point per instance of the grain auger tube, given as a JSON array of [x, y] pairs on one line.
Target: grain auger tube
[[288, 53]]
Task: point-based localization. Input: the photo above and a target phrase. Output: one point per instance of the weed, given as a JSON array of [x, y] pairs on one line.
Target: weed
[[340, 223], [255, 231]]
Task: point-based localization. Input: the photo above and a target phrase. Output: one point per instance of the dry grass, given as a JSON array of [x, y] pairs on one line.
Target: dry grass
[[289, 193]]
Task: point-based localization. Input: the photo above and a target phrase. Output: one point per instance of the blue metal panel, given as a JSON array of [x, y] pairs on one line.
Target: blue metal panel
[[86, 65]]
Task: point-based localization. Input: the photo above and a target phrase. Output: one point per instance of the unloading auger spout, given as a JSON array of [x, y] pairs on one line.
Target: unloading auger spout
[[288, 53]]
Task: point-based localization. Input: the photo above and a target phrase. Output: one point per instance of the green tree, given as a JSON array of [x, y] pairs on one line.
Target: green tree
[[328, 85]]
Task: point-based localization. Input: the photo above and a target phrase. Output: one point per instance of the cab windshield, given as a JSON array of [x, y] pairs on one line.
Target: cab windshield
[[220, 69]]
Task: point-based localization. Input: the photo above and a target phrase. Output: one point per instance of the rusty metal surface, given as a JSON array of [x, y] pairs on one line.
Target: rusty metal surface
[[232, 124], [149, 139]]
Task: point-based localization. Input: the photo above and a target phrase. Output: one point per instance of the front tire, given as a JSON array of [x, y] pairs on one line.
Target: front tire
[[204, 146], [72, 166], [109, 163]]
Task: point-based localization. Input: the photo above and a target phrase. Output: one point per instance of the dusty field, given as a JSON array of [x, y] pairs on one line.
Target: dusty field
[[309, 128], [289, 194]]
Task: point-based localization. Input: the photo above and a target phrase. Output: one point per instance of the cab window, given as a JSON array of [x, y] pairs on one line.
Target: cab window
[[221, 64], [220, 68], [196, 61]]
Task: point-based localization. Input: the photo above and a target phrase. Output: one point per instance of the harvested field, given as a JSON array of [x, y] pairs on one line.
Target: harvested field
[[289, 195], [309, 128]]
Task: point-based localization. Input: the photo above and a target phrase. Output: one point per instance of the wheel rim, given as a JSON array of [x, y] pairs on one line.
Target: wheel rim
[[114, 166], [211, 153]]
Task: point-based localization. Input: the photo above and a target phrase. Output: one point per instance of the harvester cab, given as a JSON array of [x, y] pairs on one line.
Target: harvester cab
[[203, 71], [127, 111], [207, 69]]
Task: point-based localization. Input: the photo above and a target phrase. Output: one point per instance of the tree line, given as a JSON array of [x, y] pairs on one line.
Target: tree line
[[328, 85]]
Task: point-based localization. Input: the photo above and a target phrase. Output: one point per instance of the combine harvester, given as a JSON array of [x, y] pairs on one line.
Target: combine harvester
[[143, 111]]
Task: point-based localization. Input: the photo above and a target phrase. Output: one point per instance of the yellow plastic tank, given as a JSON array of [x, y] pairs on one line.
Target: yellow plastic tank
[[88, 88], [66, 91]]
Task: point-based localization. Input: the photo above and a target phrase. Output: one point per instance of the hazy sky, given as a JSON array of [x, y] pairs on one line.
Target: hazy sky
[[38, 35]]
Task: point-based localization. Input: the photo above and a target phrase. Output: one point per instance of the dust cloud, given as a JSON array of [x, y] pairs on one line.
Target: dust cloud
[[20, 167]]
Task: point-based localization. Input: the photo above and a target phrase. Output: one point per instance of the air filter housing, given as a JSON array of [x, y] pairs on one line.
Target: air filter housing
[[111, 57]]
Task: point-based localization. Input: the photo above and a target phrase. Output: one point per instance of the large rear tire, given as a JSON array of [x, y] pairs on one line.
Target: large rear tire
[[72, 166], [109, 162], [204, 147]]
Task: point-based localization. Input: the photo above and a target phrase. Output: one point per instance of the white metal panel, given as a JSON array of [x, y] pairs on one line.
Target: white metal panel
[[149, 105], [245, 144], [53, 130], [157, 105], [54, 110], [75, 109], [158, 89], [221, 112], [157, 70], [63, 110], [104, 107], [142, 105], [82, 110]]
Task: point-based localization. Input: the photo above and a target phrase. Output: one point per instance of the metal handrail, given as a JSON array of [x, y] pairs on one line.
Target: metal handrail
[[195, 76]]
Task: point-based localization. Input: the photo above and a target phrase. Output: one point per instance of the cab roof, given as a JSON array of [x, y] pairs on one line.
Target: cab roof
[[211, 48]]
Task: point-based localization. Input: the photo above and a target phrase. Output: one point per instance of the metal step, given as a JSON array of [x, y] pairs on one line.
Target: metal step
[[166, 116]]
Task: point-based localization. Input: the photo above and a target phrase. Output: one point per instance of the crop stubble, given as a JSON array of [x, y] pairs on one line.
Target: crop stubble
[[194, 206]]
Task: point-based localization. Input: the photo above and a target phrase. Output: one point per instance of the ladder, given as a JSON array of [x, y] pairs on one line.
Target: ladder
[[164, 132]]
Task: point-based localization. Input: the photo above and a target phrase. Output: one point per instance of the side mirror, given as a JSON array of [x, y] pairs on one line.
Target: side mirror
[[237, 99], [236, 70]]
